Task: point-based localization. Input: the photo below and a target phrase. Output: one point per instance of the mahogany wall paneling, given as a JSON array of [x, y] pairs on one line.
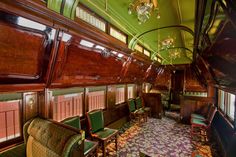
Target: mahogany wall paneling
[[191, 83], [163, 79], [80, 65], [24, 51], [22, 87], [30, 105], [153, 100], [134, 70], [151, 73], [221, 56], [191, 104], [177, 84], [111, 96], [44, 101]]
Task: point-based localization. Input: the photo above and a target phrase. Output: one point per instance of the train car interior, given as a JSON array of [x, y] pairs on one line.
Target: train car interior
[[117, 78]]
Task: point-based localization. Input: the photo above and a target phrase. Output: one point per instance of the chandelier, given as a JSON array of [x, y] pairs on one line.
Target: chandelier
[[174, 54], [144, 9], [167, 43]]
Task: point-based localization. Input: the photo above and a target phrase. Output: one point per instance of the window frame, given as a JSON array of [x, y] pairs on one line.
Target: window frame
[[87, 97], [226, 108], [140, 46], [74, 90], [118, 30], [134, 91], [147, 52], [19, 139], [91, 13], [125, 94]]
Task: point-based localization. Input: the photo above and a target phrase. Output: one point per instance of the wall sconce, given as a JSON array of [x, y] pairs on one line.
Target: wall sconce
[[31, 102]]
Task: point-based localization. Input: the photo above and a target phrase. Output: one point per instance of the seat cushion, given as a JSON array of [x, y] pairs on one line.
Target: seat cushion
[[198, 116], [146, 109], [96, 120], [198, 122], [140, 111], [106, 133], [18, 151], [89, 146]]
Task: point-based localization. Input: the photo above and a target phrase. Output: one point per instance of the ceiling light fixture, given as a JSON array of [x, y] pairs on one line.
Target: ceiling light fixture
[[144, 9], [167, 43]]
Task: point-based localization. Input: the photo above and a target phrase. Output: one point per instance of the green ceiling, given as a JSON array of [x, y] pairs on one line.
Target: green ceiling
[[172, 12]]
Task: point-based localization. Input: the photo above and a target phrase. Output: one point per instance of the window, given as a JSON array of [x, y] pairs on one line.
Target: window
[[131, 91], [120, 94], [67, 103], [88, 17], [138, 48], [221, 99], [118, 35], [226, 102], [10, 116], [231, 107], [146, 87], [96, 98], [147, 53]]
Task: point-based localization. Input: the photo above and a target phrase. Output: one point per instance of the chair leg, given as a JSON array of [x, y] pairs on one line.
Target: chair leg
[[104, 148], [116, 141]]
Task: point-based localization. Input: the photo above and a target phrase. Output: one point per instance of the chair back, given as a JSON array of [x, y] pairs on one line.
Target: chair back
[[211, 114], [131, 104], [73, 122], [210, 109], [95, 120], [139, 102]]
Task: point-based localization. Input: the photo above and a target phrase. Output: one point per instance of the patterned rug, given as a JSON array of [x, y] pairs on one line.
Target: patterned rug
[[158, 138]]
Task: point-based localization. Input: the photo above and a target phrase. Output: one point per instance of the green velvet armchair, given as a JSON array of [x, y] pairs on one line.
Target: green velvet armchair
[[140, 104], [90, 147], [99, 132], [136, 113], [198, 125]]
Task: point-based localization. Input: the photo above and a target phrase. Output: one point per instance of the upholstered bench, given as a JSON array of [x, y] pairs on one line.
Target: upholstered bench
[[44, 138]]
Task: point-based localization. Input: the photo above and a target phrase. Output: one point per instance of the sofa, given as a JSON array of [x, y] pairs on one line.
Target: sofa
[[45, 138]]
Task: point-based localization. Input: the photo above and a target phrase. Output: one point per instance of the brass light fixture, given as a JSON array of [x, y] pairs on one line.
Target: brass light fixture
[[144, 9]]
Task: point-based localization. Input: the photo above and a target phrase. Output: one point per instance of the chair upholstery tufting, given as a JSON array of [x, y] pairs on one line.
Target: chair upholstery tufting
[[52, 139]]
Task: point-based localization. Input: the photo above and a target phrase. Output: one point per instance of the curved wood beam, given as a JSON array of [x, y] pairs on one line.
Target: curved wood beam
[[134, 40]]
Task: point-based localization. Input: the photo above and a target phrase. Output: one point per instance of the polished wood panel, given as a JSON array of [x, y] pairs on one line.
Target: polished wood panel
[[80, 65], [191, 82], [134, 70], [153, 100], [21, 53], [163, 79], [151, 73]]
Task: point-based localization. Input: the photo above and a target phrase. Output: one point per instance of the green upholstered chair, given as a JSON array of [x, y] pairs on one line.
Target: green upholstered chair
[[140, 104], [198, 125], [98, 131], [201, 117], [90, 147], [136, 113]]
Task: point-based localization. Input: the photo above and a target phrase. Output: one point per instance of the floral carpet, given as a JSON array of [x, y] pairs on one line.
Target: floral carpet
[[158, 138]]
